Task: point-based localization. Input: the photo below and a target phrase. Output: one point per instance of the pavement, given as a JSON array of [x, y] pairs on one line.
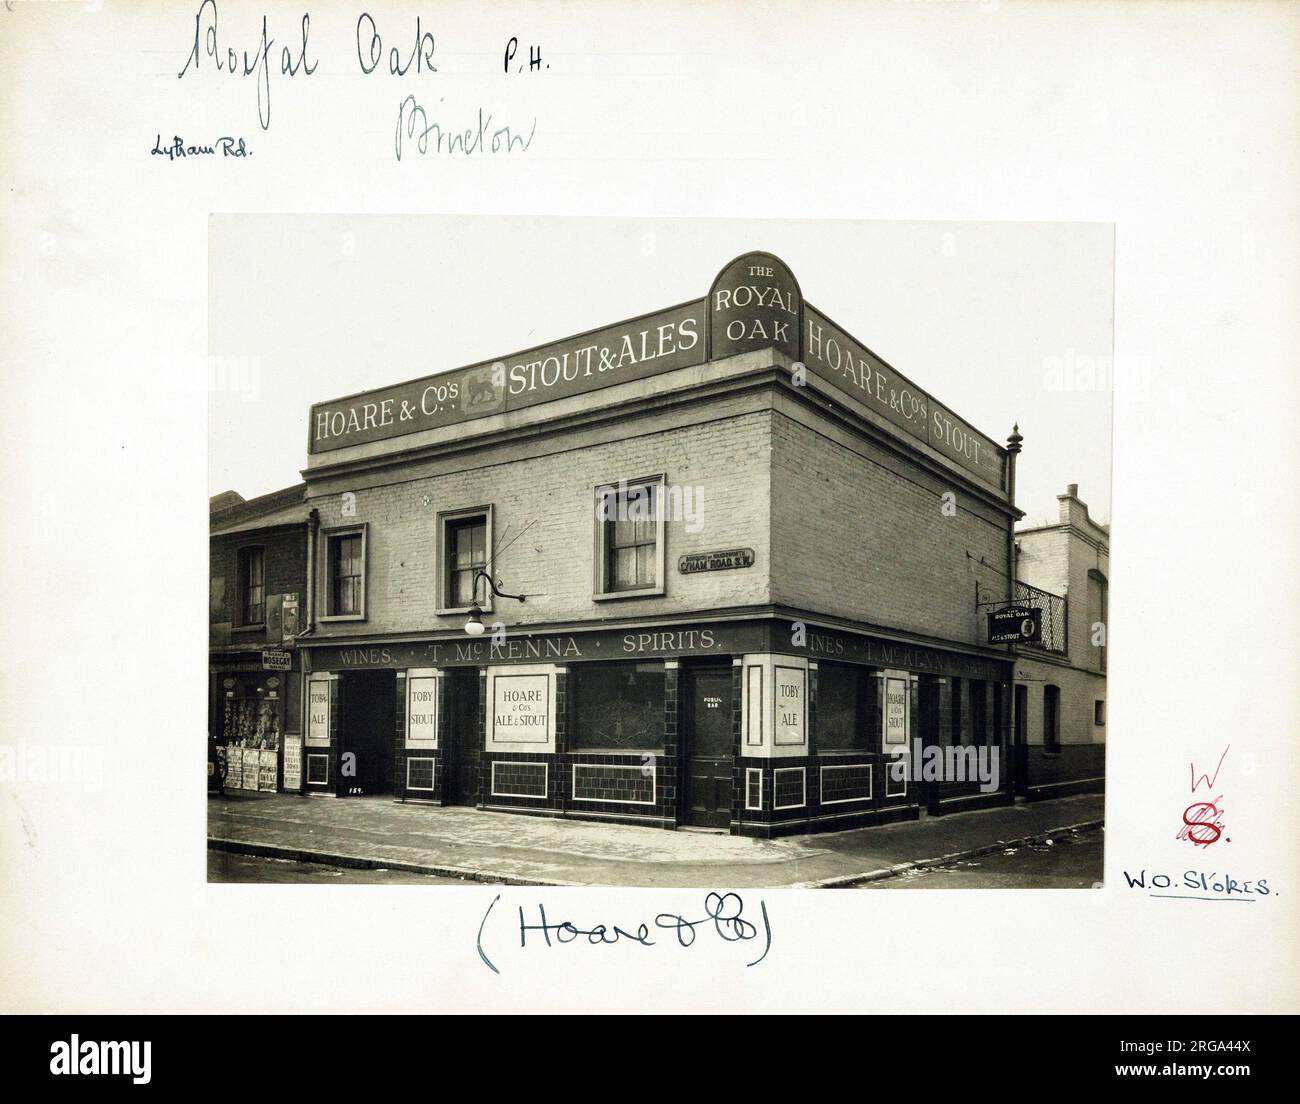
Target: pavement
[[225, 867], [379, 834], [1069, 860]]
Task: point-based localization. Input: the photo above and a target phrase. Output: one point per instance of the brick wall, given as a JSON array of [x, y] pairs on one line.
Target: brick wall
[[859, 532], [551, 495], [285, 572]]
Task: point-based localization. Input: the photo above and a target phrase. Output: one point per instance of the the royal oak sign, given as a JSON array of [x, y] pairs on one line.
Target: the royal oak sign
[[1015, 625]]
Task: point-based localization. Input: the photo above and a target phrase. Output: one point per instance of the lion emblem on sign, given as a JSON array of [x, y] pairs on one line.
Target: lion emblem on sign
[[484, 389]]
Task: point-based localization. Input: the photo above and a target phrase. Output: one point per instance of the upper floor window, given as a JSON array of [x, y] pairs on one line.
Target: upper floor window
[[630, 538], [252, 586], [346, 573], [465, 544], [466, 557]]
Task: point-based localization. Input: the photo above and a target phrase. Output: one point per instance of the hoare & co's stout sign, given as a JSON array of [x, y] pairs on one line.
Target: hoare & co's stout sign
[[854, 369], [629, 350], [520, 708]]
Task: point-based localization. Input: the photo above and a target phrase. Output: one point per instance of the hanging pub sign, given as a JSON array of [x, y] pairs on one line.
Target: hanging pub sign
[[276, 661], [1015, 625], [715, 561]]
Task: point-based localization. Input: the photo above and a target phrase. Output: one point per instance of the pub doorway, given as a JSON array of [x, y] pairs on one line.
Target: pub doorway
[[708, 751], [461, 781], [367, 729]]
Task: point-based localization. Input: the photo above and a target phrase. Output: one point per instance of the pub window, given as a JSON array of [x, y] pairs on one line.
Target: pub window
[[842, 709], [464, 549], [466, 557], [630, 538], [346, 574], [252, 586], [978, 713], [954, 715], [1051, 718], [617, 706], [1099, 711]]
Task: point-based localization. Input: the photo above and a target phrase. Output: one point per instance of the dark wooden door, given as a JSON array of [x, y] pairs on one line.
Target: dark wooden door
[[706, 718], [463, 751]]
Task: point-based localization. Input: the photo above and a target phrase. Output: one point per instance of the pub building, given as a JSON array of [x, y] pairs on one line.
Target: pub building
[[257, 556], [700, 568]]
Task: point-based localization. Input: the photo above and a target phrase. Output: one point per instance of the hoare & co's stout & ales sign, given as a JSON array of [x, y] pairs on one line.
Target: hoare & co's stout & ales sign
[[520, 708], [755, 303], [629, 350]]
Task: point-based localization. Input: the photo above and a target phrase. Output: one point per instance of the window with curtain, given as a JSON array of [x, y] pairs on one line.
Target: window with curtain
[[466, 545], [252, 582], [347, 571], [629, 536]]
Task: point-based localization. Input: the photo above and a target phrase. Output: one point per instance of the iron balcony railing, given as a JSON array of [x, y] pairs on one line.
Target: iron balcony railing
[[1055, 637]]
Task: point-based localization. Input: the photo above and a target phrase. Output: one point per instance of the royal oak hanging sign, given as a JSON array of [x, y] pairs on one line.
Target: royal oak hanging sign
[[1015, 625]]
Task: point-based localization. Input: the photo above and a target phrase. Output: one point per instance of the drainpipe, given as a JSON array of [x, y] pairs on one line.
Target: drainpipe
[[313, 525], [1013, 450]]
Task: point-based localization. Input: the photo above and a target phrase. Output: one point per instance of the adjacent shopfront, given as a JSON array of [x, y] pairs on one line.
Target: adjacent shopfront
[[255, 699]]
